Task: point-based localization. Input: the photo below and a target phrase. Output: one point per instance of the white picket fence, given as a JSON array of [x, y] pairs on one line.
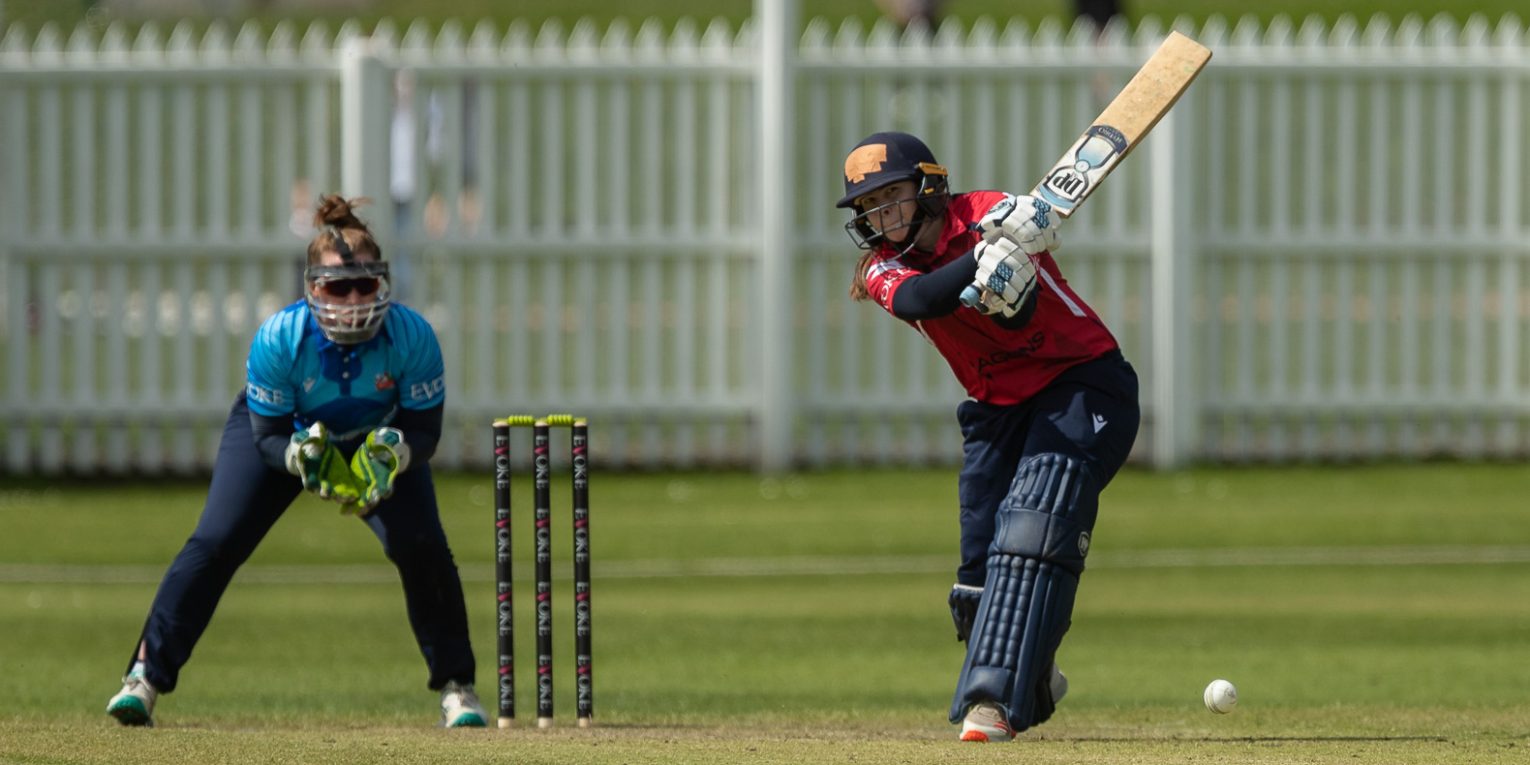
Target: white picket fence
[[1318, 256]]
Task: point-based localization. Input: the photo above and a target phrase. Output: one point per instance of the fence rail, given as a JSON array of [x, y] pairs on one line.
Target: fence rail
[[1320, 255]]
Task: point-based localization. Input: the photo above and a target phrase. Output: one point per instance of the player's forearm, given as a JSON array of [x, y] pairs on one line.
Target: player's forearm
[[938, 293], [272, 436], [935, 294], [422, 431]]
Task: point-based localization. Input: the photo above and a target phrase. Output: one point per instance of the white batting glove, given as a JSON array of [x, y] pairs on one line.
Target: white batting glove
[[1025, 220], [1006, 276]]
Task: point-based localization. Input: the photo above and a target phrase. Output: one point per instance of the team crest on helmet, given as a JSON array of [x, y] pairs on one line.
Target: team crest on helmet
[[865, 160]]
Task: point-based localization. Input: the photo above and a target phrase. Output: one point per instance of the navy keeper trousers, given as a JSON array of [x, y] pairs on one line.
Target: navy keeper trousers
[[244, 501]]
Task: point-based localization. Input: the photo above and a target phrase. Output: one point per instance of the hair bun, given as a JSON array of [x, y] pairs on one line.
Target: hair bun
[[335, 210]]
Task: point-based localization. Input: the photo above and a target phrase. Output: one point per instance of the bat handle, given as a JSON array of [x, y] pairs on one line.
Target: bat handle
[[970, 295]]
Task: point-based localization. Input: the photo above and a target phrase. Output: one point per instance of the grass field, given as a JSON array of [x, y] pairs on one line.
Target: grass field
[[1367, 614]]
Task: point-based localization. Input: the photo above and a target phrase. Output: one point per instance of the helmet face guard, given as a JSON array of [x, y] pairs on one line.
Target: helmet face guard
[[930, 200], [329, 291]]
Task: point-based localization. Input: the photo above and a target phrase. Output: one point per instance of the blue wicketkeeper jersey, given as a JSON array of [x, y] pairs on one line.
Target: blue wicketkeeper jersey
[[293, 369]]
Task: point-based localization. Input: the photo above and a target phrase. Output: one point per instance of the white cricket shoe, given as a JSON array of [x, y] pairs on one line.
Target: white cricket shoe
[[985, 721], [460, 707], [134, 704]]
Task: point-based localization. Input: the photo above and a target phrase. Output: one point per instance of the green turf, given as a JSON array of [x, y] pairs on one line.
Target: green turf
[[1367, 614]]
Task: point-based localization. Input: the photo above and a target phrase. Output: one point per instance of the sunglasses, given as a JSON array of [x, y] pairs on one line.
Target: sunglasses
[[340, 288]]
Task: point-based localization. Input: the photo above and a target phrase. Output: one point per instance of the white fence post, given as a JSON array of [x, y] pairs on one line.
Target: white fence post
[[365, 96], [1317, 301], [1173, 295], [777, 248]]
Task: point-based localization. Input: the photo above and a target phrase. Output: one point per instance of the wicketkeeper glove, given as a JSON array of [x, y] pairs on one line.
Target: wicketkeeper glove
[[964, 602], [377, 463], [311, 457]]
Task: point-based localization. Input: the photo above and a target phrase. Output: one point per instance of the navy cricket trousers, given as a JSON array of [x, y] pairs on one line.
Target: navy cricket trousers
[[1089, 413], [244, 501]]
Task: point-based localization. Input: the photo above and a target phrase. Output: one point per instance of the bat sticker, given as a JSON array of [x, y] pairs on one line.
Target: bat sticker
[[1096, 152]]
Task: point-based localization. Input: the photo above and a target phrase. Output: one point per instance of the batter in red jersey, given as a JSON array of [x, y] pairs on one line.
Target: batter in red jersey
[[1052, 413]]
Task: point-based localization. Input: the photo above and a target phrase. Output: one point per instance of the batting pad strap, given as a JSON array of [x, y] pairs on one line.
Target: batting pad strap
[[1049, 513], [1029, 534]]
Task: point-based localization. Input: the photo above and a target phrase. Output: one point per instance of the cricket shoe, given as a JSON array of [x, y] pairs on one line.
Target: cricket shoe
[[134, 704], [985, 721], [1059, 684], [460, 707]]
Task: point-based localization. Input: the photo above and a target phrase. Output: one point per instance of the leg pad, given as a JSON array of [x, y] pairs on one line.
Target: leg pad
[[1034, 563]]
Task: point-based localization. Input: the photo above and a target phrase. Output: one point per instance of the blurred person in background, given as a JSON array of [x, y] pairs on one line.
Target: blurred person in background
[[907, 13], [344, 398], [403, 173], [1097, 12], [1051, 416]]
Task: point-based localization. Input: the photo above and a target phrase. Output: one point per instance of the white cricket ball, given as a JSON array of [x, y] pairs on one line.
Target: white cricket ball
[[1220, 697]]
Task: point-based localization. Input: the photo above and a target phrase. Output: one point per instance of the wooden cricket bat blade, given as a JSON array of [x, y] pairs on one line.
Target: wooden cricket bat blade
[[1152, 91], [1148, 96]]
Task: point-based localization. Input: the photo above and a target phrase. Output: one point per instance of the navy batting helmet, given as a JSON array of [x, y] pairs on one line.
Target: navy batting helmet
[[887, 158]]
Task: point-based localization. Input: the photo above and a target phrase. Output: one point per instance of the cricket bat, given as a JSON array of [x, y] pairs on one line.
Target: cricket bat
[[1149, 95]]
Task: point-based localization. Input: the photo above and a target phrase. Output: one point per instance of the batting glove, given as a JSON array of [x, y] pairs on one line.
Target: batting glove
[[321, 466], [1025, 220], [964, 602], [1006, 276], [376, 464]]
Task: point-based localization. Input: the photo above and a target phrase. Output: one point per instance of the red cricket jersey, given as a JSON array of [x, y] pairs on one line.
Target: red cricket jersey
[[996, 365]]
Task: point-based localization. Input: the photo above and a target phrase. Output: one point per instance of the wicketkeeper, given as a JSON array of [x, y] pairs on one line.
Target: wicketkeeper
[[344, 398], [1051, 417]]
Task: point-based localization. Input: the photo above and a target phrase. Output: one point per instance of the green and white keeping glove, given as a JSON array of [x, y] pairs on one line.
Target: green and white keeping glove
[[311, 457], [377, 463]]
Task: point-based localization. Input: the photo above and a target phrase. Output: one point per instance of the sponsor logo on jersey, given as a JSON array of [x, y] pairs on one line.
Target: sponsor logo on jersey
[[264, 395], [384, 381], [1030, 345], [427, 390]]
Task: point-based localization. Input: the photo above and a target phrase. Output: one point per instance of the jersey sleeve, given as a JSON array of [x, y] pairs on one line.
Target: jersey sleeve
[[423, 384], [269, 383], [883, 277]]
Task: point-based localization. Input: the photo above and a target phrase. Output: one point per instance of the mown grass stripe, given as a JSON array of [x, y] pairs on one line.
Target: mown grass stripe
[[1443, 555]]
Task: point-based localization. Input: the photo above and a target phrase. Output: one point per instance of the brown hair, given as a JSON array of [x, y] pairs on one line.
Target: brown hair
[[336, 217], [858, 289]]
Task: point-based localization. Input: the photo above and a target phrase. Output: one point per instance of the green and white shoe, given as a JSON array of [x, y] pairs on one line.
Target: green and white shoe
[[134, 704], [460, 707]]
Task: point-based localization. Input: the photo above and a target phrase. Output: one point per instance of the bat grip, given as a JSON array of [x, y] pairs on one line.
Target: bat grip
[[970, 295]]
